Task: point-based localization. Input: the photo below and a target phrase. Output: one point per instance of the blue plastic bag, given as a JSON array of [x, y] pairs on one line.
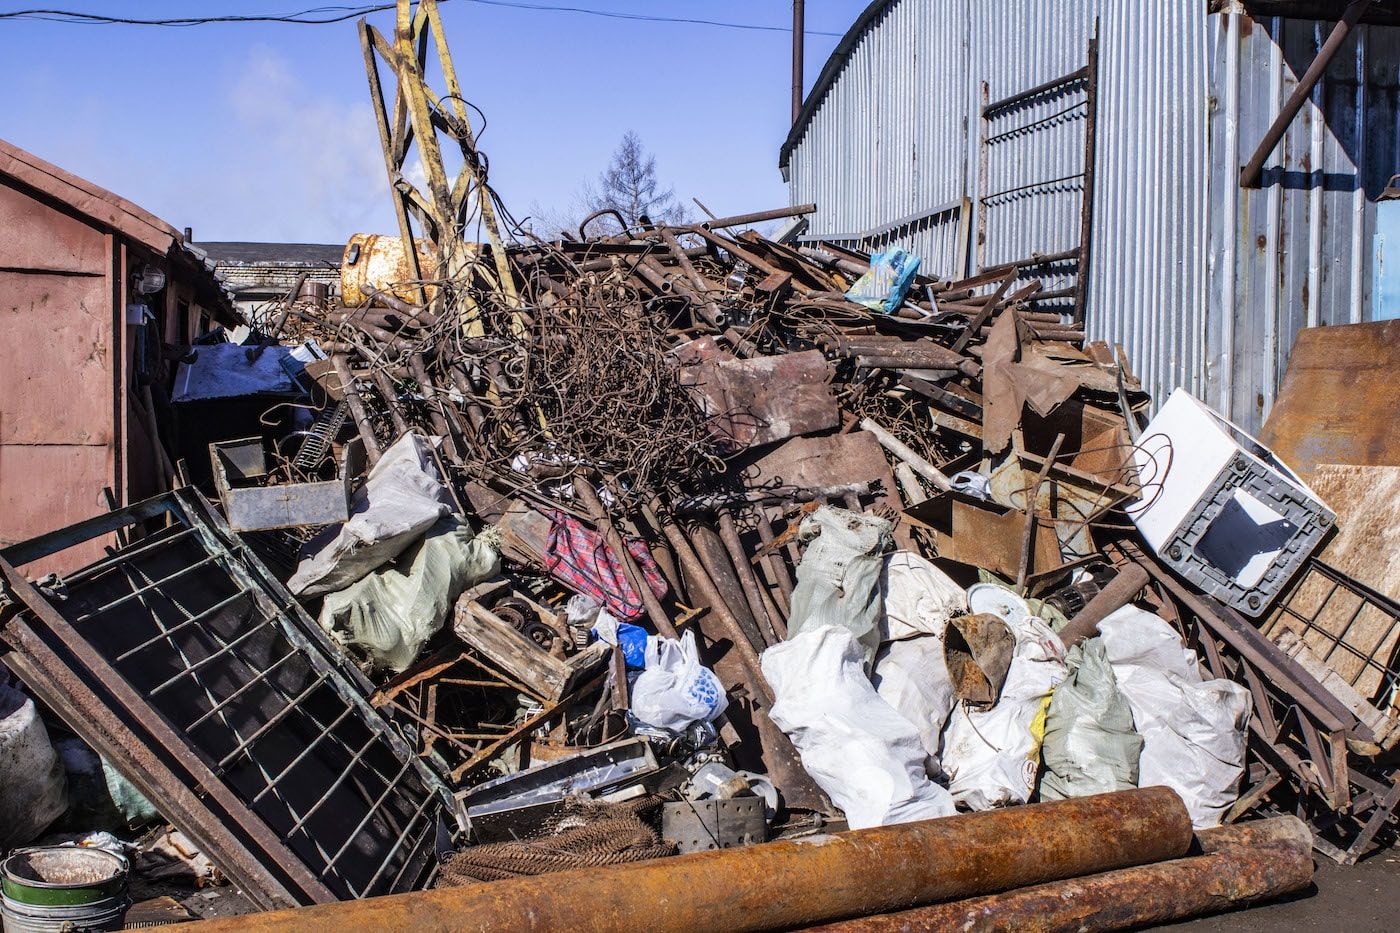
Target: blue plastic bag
[[631, 638], [891, 274]]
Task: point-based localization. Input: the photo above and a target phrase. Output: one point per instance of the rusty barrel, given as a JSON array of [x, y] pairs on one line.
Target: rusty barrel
[[792, 883]]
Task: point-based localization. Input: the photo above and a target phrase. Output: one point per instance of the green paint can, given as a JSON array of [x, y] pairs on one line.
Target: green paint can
[[47, 889]]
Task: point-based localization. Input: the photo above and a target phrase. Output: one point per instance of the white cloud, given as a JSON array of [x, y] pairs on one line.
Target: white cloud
[[303, 165]]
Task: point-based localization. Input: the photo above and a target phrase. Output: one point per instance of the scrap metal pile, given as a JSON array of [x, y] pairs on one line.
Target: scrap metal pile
[[580, 557]]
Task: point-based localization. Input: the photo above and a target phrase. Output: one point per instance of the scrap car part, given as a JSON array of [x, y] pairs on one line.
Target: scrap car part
[[184, 662]]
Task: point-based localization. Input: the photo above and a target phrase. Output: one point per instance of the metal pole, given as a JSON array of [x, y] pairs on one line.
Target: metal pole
[[1242, 866], [791, 884], [798, 27], [1249, 175]]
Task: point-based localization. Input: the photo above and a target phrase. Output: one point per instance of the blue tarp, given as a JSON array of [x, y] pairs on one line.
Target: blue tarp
[[223, 370]]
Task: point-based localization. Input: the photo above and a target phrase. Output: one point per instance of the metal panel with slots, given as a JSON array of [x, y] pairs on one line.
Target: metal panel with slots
[[182, 660]]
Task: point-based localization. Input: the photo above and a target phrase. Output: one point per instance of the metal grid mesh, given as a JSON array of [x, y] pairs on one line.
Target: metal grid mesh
[[231, 666], [1351, 628]]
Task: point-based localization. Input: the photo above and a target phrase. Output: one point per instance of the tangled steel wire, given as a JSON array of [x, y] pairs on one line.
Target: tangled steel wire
[[590, 382]]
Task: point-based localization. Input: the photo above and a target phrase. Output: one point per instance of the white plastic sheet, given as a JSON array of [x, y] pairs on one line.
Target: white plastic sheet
[[390, 614], [992, 756], [864, 754], [33, 789], [401, 499], [1193, 730], [909, 672], [919, 598], [838, 581]]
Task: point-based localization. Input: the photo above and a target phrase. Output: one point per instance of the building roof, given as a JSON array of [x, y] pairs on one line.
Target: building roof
[[273, 253], [843, 50], [97, 204]]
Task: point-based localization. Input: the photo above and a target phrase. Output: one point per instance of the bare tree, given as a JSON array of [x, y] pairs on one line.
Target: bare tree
[[630, 186]]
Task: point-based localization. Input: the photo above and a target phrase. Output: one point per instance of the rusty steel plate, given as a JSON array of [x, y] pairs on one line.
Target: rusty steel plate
[[1339, 399]]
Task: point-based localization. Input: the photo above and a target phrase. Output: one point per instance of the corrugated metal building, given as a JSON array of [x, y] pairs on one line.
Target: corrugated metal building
[[83, 327], [961, 129]]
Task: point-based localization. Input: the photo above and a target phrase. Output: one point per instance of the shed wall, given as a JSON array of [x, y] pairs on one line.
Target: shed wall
[[58, 369]]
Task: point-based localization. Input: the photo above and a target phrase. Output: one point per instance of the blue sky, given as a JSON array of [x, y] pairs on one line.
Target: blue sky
[[264, 132]]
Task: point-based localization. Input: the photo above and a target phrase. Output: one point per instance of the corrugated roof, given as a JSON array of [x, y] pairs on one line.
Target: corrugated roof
[[98, 204], [828, 75], [228, 251]]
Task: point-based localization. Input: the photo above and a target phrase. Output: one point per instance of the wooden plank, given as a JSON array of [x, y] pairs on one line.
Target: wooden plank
[[495, 638]]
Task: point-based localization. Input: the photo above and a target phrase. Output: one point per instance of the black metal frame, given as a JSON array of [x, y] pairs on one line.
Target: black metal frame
[[183, 661]]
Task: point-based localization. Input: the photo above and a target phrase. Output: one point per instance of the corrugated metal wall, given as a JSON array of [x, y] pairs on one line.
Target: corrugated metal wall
[[1183, 98], [1301, 251]]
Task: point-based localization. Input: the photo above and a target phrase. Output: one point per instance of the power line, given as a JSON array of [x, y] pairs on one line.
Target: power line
[[318, 16]]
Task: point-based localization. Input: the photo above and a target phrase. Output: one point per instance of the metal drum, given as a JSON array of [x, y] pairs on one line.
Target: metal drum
[[48, 889]]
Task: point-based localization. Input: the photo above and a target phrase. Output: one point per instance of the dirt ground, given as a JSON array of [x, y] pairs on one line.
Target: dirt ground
[[1362, 898]]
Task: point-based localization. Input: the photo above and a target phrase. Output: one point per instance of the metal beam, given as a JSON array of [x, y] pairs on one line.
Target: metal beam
[[1254, 168]]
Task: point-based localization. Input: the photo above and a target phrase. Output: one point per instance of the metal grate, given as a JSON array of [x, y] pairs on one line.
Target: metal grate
[[216, 666], [1349, 627]]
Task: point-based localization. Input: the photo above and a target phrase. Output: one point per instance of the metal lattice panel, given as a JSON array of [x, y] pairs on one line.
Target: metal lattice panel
[[213, 666]]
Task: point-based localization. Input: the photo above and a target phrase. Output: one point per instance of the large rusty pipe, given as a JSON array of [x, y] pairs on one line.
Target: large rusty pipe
[[1114, 596], [1237, 869], [788, 884]]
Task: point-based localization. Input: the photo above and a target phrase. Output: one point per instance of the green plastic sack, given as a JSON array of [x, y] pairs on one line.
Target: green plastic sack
[[1090, 744]]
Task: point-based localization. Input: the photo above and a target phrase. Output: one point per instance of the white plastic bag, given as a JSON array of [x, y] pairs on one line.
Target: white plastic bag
[[390, 614], [866, 756], [838, 581], [991, 757], [400, 500], [1090, 744], [1193, 730], [910, 676], [33, 789], [919, 599], [676, 690]]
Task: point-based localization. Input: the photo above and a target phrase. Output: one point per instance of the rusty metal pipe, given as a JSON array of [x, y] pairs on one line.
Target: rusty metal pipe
[[708, 309], [357, 407], [695, 571], [772, 629], [789, 884], [921, 466], [1238, 869], [777, 213], [1114, 596]]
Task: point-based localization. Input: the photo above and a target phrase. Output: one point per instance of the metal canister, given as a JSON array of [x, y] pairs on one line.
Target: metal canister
[[47, 889], [374, 261]]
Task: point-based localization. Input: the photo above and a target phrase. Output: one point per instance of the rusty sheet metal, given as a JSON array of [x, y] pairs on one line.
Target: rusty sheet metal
[[813, 462], [783, 885], [1339, 399], [983, 534], [377, 261], [760, 400], [1242, 865]]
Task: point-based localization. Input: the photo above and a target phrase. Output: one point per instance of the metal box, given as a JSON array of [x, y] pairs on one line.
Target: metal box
[[240, 464]]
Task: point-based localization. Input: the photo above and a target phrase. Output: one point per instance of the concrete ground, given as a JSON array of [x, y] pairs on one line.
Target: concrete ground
[[1361, 898]]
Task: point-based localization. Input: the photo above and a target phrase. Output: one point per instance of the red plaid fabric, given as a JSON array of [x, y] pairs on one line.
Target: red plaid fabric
[[577, 557]]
